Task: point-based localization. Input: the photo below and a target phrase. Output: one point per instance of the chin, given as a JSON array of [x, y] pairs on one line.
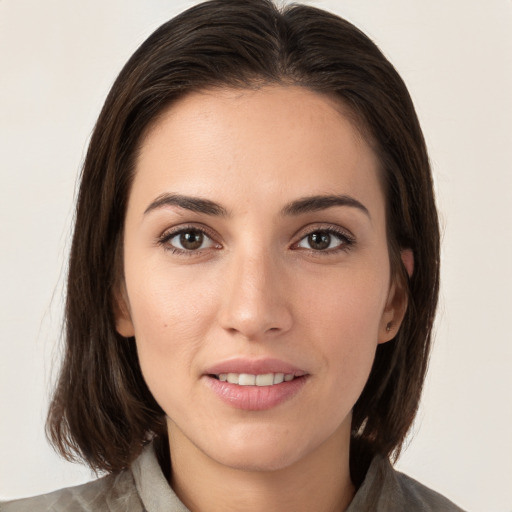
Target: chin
[[251, 460], [260, 449]]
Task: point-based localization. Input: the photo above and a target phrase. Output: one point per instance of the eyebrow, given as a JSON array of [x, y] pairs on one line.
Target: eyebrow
[[297, 207], [194, 204], [317, 203]]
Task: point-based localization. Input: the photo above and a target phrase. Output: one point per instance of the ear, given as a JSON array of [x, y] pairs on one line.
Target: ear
[[124, 324], [396, 305]]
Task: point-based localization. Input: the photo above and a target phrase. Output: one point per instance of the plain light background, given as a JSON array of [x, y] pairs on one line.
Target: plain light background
[[58, 59]]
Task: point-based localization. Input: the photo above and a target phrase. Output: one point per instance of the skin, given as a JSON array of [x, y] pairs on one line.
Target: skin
[[257, 288]]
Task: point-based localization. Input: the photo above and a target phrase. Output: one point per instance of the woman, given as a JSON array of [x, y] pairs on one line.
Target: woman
[[253, 276]]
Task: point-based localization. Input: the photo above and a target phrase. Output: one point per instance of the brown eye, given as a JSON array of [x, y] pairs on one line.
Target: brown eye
[[188, 240], [319, 240], [191, 240], [325, 240]]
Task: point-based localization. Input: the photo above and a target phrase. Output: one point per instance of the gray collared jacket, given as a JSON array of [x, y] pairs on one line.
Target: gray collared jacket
[[143, 488]]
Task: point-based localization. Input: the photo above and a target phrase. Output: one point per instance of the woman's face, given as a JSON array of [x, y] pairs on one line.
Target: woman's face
[[255, 251]]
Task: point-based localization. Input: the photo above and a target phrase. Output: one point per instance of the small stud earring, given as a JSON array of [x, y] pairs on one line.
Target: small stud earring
[[388, 327]]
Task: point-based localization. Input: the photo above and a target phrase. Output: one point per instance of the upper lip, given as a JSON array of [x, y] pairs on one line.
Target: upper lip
[[254, 367]]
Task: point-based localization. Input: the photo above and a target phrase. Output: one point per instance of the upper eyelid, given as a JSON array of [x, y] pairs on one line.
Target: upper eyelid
[[164, 240], [332, 228], [176, 230]]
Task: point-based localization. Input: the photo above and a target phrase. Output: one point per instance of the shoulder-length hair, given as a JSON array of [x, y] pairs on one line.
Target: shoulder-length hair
[[102, 412]]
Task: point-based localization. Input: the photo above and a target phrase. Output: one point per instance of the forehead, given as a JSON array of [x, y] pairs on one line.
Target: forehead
[[284, 107], [227, 142]]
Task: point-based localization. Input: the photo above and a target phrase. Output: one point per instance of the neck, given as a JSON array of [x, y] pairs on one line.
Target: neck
[[319, 481]]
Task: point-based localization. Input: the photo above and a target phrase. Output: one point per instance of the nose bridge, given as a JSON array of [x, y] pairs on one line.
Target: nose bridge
[[254, 302]]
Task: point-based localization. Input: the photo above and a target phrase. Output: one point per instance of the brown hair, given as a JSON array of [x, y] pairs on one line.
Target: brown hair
[[102, 411]]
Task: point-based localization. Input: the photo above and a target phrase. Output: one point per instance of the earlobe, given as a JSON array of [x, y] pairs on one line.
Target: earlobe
[[388, 331], [393, 314], [124, 324], [391, 320], [396, 306]]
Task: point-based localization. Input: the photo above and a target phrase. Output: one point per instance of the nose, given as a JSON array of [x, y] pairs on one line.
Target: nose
[[256, 302]]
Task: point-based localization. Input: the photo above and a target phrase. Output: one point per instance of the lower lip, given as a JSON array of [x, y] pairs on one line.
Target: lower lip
[[255, 398]]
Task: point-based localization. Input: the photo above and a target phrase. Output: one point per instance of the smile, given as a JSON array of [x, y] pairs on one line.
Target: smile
[[247, 379], [255, 384], [255, 392]]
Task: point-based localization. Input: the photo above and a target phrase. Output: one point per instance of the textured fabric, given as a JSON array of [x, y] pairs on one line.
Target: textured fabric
[[145, 489], [113, 493], [387, 490], [154, 490]]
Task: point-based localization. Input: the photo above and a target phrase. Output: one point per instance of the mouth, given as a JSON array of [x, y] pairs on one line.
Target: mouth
[[255, 384], [249, 379]]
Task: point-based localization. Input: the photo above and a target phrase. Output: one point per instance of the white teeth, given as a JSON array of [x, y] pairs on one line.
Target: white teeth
[[265, 380], [279, 377], [247, 379]]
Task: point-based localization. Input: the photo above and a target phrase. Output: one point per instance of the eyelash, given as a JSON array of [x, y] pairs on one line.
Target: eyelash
[[167, 236], [347, 241]]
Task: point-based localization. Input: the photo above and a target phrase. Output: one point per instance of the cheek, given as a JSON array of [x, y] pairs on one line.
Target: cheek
[[165, 300], [343, 316], [171, 316], [348, 304]]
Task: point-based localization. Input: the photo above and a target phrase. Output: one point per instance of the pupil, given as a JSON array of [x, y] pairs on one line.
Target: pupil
[[319, 241], [191, 240]]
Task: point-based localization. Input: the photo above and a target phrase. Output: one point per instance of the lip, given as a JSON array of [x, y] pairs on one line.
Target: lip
[[254, 367], [255, 398]]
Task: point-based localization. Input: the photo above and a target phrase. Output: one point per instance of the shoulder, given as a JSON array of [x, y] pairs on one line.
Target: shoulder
[[387, 490], [419, 497], [112, 493]]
